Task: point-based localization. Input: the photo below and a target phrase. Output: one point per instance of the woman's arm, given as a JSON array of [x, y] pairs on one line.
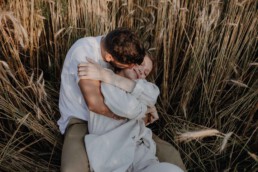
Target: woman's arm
[[143, 90], [122, 103], [94, 71], [131, 100], [132, 105]]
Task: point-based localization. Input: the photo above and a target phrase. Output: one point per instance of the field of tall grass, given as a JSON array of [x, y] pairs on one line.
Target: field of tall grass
[[206, 56]]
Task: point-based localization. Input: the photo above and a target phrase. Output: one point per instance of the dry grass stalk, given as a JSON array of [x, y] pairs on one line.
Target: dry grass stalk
[[255, 157], [196, 135], [253, 64], [239, 83], [225, 141]]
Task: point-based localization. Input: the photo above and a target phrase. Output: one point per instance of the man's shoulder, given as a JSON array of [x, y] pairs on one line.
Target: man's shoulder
[[85, 45], [87, 40]]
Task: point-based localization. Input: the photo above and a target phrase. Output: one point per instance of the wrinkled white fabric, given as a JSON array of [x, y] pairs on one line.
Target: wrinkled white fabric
[[71, 101], [112, 145]]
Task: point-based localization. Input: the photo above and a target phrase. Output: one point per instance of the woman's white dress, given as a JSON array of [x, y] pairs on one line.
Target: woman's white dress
[[122, 145]]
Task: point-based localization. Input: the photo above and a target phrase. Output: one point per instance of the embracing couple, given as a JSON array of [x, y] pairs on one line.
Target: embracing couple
[[105, 104]]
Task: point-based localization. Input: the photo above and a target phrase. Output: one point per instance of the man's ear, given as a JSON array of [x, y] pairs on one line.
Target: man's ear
[[109, 57]]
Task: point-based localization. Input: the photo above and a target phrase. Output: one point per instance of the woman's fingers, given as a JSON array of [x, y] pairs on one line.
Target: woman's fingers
[[87, 68], [91, 60], [83, 68], [154, 114], [86, 65], [82, 73], [89, 71], [82, 64], [154, 118]]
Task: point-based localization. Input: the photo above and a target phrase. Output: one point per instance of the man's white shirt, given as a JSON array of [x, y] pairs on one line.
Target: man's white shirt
[[71, 100]]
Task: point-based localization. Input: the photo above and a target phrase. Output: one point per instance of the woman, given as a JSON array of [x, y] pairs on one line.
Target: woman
[[124, 145]]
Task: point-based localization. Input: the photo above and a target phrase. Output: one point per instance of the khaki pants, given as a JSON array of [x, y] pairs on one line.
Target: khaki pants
[[74, 157]]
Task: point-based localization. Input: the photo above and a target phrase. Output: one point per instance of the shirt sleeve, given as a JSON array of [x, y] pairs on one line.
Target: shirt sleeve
[[146, 92], [122, 103], [78, 55]]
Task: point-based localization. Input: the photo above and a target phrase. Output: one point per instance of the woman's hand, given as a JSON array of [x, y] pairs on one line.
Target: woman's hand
[[91, 70], [94, 71], [151, 115]]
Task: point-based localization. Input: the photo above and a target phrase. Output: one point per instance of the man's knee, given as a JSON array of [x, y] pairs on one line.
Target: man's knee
[[168, 153], [74, 157], [73, 168], [164, 167], [167, 167], [76, 131]]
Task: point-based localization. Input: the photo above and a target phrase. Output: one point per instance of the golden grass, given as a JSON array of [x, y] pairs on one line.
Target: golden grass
[[195, 135], [206, 55]]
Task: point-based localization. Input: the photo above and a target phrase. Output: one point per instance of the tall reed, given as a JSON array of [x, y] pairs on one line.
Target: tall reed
[[206, 55]]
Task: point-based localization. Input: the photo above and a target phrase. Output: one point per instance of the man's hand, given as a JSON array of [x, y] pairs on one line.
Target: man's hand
[[151, 115]]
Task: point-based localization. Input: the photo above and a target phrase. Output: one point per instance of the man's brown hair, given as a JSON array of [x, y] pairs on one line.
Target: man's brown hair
[[124, 46]]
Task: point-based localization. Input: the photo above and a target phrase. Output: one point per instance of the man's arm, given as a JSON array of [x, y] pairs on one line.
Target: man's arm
[[93, 97]]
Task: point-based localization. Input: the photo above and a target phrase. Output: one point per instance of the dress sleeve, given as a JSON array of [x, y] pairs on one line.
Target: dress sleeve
[[146, 92], [122, 103], [130, 105]]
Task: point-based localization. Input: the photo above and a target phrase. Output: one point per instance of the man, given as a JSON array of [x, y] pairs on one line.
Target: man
[[120, 48]]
